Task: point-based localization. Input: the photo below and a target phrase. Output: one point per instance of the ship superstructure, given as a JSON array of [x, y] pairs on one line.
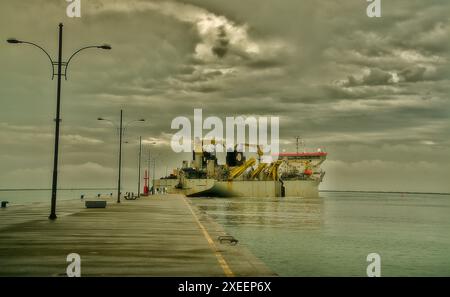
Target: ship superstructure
[[290, 175]]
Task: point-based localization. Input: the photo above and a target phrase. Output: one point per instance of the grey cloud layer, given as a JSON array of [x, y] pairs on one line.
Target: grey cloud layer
[[334, 76]]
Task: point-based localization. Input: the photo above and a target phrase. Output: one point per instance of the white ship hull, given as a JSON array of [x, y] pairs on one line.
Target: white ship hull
[[243, 188]]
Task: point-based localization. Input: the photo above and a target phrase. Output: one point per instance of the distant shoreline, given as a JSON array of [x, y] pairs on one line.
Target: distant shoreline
[[68, 189], [384, 192], [336, 191]]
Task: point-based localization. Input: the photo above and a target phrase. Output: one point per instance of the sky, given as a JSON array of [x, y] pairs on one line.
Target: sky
[[372, 92]]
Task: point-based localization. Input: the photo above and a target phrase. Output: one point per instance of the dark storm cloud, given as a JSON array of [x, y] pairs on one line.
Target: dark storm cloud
[[374, 92], [413, 74], [220, 48], [374, 77]]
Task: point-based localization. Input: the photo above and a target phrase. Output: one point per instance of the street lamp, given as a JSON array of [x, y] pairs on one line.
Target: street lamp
[[149, 160], [59, 73], [121, 129], [13, 40], [139, 167]]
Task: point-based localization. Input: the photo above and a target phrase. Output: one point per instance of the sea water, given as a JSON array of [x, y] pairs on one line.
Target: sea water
[[26, 196], [332, 235]]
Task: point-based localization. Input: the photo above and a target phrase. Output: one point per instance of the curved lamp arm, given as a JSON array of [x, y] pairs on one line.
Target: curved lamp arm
[[46, 53], [126, 125], [106, 47], [131, 122], [106, 120]]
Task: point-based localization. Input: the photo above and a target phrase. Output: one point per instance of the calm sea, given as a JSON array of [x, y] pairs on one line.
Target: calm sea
[[19, 197], [332, 235]]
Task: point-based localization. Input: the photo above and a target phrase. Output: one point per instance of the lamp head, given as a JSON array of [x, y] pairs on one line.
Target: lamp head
[[13, 41], [105, 47]]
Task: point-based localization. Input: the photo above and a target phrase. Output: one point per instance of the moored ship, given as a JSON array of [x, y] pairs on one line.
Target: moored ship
[[290, 175]]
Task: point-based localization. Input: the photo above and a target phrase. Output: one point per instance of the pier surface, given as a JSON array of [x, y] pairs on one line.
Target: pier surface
[[161, 235]]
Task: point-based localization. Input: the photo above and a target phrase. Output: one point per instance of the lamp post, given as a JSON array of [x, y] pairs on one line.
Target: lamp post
[[149, 160], [148, 168], [121, 129], [59, 65], [154, 165], [139, 167], [154, 169]]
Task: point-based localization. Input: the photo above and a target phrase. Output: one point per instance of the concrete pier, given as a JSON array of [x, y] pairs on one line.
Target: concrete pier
[[161, 235]]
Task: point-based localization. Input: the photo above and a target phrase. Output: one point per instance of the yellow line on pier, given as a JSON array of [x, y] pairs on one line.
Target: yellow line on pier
[[220, 258]]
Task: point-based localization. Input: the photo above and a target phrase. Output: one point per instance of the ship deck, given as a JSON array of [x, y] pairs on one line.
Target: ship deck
[[161, 235]]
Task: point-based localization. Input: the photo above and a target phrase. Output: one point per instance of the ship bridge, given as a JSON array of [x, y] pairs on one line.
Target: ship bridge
[[303, 156]]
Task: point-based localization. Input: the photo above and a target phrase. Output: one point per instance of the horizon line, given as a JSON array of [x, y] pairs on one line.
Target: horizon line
[[59, 189], [378, 191], [342, 191]]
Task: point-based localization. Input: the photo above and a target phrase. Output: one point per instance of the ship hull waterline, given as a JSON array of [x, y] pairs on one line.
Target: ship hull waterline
[[241, 188]]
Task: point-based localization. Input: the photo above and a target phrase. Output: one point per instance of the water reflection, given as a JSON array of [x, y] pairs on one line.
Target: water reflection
[[275, 212], [332, 235]]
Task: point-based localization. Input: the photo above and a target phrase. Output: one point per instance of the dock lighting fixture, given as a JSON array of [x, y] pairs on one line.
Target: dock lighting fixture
[[105, 47], [59, 69], [140, 120], [121, 127], [13, 41]]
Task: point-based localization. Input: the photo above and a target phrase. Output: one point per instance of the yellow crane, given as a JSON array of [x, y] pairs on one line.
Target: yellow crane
[[237, 171], [258, 170], [272, 170]]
